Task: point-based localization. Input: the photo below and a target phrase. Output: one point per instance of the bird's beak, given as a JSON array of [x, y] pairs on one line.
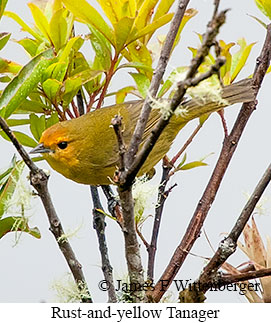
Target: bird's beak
[[40, 149]]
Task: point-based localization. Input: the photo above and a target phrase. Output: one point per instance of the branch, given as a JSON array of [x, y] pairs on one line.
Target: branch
[[156, 80], [191, 79], [132, 251], [228, 245], [116, 123], [39, 181], [228, 149], [231, 279], [108, 78], [161, 199], [186, 144], [99, 225], [80, 102]]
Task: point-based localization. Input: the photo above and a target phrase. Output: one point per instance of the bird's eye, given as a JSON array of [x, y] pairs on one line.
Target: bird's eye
[[62, 144]]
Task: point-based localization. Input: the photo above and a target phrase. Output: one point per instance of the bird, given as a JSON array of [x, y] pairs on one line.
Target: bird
[[85, 149]]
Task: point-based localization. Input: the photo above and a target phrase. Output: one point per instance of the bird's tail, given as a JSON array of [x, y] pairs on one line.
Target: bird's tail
[[238, 92]]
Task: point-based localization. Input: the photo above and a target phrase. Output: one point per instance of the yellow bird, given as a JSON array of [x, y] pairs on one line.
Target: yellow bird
[[85, 149]]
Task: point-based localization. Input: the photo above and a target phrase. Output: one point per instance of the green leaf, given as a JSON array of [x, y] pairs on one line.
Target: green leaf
[[259, 21], [122, 31], [20, 87], [23, 139], [142, 83], [239, 59], [5, 79], [59, 29], [7, 66], [37, 125], [53, 119], [24, 26], [122, 93], [74, 44], [15, 224], [30, 45], [137, 65], [189, 13], [265, 7], [17, 122], [173, 77], [51, 88], [37, 159], [8, 188], [203, 118], [192, 165], [28, 106], [182, 161], [4, 37], [4, 175], [225, 51], [86, 75], [139, 53], [56, 71], [3, 4], [87, 14], [101, 48], [40, 20], [80, 64], [152, 27], [163, 8], [69, 90], [110, 10], [144, 13]]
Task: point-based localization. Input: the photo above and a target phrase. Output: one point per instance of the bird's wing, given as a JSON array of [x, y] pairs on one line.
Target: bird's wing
[[133, 108]]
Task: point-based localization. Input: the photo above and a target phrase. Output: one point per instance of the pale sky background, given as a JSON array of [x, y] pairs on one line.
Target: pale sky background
[[29, 269]]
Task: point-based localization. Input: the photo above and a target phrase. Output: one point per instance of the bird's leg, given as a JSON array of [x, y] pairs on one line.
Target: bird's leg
[[113, 204]]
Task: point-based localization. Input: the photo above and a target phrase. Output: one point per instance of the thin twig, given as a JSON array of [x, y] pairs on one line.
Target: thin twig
[[80, 102], [108, 78], [75, 109], [117, 123], [220, 61], [39, 181], [69, 113], [216, 5], [99, 225], [228, 149], [141, 236], [186, 144], [91, 101]]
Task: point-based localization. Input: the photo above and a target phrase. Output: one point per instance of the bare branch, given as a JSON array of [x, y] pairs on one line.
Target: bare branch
[[230, 279], [186, 144], [99, 225], [128, 176], [116, 123], [39, 181], [152, 248], [228, 245], [228, 149], [156, 80]]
